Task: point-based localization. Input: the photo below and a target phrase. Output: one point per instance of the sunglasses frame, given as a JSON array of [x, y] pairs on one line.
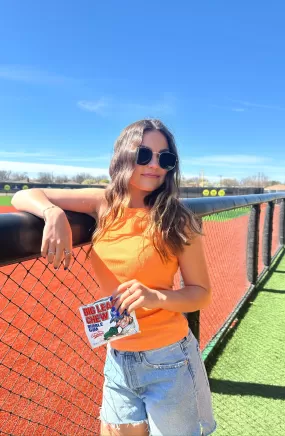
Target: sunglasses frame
[[159, 153]]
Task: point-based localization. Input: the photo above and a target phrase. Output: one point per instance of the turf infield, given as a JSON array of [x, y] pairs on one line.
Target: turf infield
[[5, 200], [248, 379], [228, 214]]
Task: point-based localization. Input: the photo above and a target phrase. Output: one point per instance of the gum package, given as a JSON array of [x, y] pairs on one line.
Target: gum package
[[103, 324]]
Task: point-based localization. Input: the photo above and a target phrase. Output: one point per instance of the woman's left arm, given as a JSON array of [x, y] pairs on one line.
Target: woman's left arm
[[195, 295]]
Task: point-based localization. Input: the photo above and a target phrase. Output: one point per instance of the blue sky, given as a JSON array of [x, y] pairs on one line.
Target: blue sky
[[73, 74]]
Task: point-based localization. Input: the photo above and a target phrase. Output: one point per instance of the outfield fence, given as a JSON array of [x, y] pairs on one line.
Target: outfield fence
[[50, 379]]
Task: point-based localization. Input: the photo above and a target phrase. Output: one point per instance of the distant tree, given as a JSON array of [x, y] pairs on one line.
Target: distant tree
[[190, 181], [45, 177], [4, 175], [257, 181], [17, 177], [227, 183], [80, 177], [247, 181], [61, 179], [25, 187], [262, 180], [95, 181], [102, 177], [89, 182], [205, 182], [195, 181], [273, 182]]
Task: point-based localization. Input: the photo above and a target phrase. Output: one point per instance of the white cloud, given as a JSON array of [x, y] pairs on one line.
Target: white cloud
[[107, 106], [247, 105], [238, 109], [237, 166], [99, 106], [32, 167], [258, 105], [53, 157], [87, 159], [228, 108], [234, 159], [29, 74], [24, 154]]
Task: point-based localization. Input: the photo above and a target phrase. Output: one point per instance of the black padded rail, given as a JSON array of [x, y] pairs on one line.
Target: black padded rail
[[21, 233], [210, 205]]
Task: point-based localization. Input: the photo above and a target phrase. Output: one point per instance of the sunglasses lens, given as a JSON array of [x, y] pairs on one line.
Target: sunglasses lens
[[167, 161], [144, 156]]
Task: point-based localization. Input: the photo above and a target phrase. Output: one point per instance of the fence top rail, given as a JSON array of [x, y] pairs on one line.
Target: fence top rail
[[21, 233], [210, 205]]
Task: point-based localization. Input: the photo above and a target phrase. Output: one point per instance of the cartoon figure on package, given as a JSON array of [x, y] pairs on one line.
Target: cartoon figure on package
[[123, 324], [103, 323]]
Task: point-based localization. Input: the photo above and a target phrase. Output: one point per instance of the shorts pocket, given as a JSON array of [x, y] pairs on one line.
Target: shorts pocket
[[170, 358]]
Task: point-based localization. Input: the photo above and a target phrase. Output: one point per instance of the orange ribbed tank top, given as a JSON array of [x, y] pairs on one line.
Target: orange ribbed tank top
[[124, 253]]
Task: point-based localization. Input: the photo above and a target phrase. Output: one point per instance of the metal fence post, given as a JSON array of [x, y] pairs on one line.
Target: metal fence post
[[267, 234], [282, 223], [253, 244], [193, 319]]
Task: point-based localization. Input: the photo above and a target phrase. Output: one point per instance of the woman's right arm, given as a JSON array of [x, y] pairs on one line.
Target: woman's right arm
[[35, 201], [57, 237]]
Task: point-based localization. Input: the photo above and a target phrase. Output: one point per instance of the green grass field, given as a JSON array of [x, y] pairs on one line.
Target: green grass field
[[248, 379], [228, 215], [5, 200]]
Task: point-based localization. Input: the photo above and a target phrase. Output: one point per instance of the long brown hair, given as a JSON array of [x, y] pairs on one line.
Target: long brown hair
[[171, 225]]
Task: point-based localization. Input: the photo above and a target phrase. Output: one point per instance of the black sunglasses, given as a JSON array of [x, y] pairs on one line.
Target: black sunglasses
[[166, 159]]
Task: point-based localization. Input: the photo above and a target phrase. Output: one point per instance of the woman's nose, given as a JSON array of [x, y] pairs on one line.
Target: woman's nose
[[154, 161]]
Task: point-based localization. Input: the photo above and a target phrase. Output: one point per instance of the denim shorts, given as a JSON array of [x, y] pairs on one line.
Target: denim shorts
[[166, 387]]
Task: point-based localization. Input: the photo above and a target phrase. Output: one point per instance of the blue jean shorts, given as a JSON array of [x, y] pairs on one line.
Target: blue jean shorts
[[166, 387]]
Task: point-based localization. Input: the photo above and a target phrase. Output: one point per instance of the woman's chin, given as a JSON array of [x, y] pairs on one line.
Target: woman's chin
[[148, 187]]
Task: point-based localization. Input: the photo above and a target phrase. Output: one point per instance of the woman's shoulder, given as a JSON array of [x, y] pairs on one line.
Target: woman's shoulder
[[99, 202]]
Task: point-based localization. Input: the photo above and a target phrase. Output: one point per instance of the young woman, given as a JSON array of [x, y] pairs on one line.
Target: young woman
[[155, 380]]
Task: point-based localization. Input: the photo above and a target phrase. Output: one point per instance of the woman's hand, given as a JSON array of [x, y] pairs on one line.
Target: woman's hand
[[132, 294], [57, 238]]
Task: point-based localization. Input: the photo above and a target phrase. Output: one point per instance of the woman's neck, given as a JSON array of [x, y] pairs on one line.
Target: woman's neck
[[137, 197]]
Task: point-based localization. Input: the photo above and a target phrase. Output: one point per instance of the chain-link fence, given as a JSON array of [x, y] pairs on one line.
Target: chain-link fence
[[246, 369], [51, 380]]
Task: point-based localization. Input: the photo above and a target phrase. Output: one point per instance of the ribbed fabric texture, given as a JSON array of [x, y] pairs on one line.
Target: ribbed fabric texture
[[123, 254]]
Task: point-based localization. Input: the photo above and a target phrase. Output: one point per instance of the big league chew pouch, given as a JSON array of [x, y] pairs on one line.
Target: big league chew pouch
[[103, 323]]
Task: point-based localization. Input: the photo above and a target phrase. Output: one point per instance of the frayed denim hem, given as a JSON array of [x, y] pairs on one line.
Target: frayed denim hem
[[210, 431], [117, 426]]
